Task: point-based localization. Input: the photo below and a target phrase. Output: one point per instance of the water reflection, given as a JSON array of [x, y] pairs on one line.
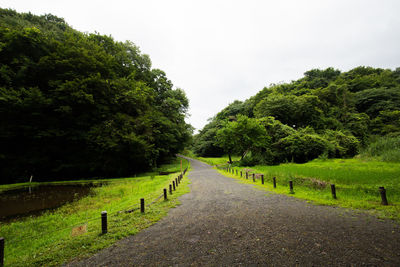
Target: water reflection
[[34, 200]]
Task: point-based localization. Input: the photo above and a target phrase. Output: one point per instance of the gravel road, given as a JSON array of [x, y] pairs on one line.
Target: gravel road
[[225, 223]]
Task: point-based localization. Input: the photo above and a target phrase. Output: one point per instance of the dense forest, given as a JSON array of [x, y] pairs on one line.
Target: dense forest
[[77, 105], [326, 114]]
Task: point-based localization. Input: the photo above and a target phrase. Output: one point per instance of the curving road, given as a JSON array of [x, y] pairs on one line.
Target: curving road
[[225, 223]]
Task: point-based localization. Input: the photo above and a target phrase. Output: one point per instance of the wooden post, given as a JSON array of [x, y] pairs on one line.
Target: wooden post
[[262, 178], [173, 185], [1, 251], [247, 175], [274, 180], [165, 194], [170, 189], [291, 187], [241, 174], [142, 205], [104, 222], [176, 182], [382, 191], [333, 190], [254, 175]]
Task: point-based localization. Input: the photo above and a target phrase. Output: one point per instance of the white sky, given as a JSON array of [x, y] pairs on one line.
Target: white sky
[[222, 50]]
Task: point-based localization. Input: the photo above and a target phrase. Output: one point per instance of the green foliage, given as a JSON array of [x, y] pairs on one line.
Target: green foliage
[[300, 147], [387, 123], [205, 143], [343, 145], [386, 148], [324, 114], [372, 101], [245, 134], [79, 105]]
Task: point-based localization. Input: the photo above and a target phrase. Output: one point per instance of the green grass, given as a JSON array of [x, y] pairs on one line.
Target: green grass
[[385, 148], [356, 180], [217, 161], [46, 239]]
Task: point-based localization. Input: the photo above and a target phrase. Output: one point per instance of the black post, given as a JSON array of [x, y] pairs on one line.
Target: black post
[[165, 194], [254, 179], [382, 190], [262, 178], [170, 189], [333, 190], [241, 174], [176, 182], [173, 185], [247, 175], [1, 251], [104, 222], [142, 205], [291, 187], [274, 180]]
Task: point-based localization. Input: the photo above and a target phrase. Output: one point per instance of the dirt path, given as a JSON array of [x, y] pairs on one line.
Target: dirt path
[[225, 223]]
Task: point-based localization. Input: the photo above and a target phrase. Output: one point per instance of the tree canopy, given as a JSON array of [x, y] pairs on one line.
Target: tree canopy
[[327, 113], [81, 105]]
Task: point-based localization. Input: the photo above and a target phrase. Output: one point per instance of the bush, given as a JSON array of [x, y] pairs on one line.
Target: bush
[[301, 147], [342, 145]]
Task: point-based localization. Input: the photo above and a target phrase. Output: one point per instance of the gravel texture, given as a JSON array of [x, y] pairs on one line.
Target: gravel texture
[[225, 223]]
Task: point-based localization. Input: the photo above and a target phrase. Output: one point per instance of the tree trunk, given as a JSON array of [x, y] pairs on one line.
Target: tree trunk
[[244, 154], [230, 159]]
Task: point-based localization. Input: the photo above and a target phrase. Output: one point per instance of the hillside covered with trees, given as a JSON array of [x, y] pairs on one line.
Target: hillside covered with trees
[[81, 105], [327, 113]]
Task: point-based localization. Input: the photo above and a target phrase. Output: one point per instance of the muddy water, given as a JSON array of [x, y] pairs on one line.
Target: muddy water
[[34, 200]]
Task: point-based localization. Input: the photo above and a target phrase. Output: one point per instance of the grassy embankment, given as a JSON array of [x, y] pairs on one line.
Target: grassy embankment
[[356, 180], [46, 240]]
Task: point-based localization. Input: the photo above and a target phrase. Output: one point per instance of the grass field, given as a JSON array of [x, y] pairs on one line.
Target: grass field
[[356, 180], [47, 240]]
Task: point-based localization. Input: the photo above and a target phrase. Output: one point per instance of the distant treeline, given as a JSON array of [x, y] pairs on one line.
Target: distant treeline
[[81, 105], [326, 113]]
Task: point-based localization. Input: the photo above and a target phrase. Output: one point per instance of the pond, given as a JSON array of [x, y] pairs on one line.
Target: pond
[[37, 199]]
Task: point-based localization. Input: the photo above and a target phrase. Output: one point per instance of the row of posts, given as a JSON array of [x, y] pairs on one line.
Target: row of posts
[[172, 187], [382, 190]]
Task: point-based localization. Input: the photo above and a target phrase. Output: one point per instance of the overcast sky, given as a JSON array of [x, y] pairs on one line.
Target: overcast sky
[[222, 50]]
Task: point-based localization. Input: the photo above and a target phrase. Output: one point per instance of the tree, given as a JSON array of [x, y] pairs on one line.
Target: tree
[[79, 105], [242, 136]]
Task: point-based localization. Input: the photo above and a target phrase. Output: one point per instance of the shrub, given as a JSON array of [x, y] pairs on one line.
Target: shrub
[[301, 147], [342, 145]]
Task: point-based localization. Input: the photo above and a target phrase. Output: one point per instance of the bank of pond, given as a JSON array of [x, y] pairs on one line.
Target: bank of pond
[[46, 224]]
